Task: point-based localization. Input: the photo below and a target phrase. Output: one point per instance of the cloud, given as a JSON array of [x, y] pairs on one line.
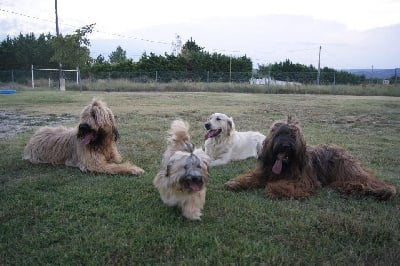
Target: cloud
[[269, 39], [140, 27]]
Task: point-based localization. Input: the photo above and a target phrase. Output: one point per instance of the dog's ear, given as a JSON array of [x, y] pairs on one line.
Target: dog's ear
[[231, 125], [167, 171], [204, 158], [292, 120], [115, 133], [289, 118], [168, 167], [98, 102], [189, 146]]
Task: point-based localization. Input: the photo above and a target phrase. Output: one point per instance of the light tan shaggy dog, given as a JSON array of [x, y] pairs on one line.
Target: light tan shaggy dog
[[90, 146], [184, 173]]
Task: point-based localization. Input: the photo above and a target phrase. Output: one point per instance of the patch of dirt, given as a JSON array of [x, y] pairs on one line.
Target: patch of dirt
[[14, 123]]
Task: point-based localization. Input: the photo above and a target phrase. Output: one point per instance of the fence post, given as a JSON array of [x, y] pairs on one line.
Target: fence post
[[230, 69], [334, 80], [33, 80], [319, 68], [77, 75], [109, 81]]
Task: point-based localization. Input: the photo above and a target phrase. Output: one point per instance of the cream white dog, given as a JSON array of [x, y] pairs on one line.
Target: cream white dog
[[184, 173], [224, 144]]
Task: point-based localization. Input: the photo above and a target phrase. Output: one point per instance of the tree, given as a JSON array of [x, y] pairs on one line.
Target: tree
[[118, 56], [7, 54], [99, 60], [192, 53], [307, 74], [192, 64], [191, 47], [24, 50], [42, 51], [72, 50]]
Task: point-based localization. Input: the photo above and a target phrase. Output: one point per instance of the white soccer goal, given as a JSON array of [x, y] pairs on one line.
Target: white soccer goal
[[54, 70]]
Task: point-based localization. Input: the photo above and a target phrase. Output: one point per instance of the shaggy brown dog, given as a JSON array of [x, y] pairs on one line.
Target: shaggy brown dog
[[287, 167], [90, 146], [184, 173]]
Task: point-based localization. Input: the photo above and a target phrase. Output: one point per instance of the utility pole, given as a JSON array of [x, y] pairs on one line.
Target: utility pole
[[319, 65], [230, 69], [57, 30], [58, 33], [372, 74]]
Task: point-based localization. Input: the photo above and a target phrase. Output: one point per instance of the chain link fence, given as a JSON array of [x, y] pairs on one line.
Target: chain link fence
[[50, 78]]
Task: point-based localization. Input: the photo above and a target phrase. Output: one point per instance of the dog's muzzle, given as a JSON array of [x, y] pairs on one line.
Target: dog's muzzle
[[193, 179], [207, 126], [193, 183], [211, 133], [85, 133], [281, 156]]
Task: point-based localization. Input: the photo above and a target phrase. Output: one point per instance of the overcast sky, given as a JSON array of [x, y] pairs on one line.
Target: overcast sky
[[353, 34]]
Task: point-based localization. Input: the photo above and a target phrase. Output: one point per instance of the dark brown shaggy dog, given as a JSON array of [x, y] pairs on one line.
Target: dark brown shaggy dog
[[287, 167]]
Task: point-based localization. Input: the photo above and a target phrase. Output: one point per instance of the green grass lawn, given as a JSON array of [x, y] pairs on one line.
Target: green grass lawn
[[57, 215]]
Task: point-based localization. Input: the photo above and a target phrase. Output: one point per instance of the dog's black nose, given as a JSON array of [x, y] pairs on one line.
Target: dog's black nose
[[196, 179], [286, 146], [84, 126], [207, 126]]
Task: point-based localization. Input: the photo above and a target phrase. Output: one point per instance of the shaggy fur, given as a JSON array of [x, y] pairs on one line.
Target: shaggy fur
[[90, 146], [224, 144], [184, 173], [287, 167]]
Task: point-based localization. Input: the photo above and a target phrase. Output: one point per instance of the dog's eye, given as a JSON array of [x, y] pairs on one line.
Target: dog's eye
[[218, 119]]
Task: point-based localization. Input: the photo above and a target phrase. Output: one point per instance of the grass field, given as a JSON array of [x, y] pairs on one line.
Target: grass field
[[57, 215]]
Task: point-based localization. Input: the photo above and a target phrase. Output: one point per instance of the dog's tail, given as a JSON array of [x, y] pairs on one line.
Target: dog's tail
[[180, 134], [179, 131]]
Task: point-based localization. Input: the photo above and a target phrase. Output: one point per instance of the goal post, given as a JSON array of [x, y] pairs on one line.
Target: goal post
[[53, 70]]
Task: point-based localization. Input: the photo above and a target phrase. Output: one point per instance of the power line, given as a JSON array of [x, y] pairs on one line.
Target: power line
[[75, 26], [124, 36], [31, 17]]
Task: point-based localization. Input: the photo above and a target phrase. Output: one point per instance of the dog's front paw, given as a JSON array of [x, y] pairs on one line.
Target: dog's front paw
[[194, 215], [212, 164], [137, 171], [232, 185], [117, 158], [217, 163]]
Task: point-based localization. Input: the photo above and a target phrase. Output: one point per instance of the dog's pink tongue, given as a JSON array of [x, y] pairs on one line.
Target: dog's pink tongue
[[86, 140], [194, 187], [208, 135], [277, 168], [211, 134]]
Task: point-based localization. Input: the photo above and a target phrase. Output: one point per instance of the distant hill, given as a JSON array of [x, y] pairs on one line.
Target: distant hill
[[376, 73]]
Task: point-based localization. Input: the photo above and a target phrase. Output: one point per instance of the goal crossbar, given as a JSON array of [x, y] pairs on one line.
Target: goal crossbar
[[54, 69]]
